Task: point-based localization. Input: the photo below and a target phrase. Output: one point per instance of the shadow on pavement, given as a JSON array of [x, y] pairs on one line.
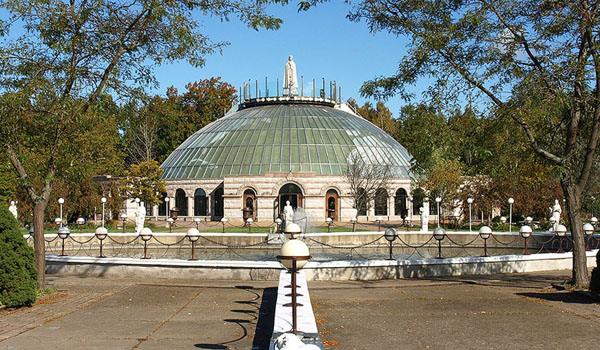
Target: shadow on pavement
[[565, 297], [258, 317]]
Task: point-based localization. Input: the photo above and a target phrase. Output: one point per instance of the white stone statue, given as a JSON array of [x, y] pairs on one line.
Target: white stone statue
[[424, 210], [556, 211], [13, 208], [140, 217], [290, 79], [288, 213]]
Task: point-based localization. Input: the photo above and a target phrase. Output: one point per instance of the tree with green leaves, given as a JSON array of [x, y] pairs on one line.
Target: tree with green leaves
[[144, 181], [536, 62], [62, 56]]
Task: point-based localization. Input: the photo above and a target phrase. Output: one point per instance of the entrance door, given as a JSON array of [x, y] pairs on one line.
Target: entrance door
[[291, 193], [331, 204]]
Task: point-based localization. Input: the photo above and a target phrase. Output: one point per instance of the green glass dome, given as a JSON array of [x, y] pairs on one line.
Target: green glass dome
[[282, 138]]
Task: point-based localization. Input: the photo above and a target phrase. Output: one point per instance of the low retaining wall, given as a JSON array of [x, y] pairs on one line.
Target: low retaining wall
[[315, 271]]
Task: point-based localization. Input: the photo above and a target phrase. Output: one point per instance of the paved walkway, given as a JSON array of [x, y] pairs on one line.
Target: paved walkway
[[518, 311]]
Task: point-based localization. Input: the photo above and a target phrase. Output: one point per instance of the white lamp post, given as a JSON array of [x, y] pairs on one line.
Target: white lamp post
[[510, 204], [193, 235], [80, 222], [390, 235], [410, 211], [103, 200], [485, 232], [438, 200], [439, 233], [146, 235], [470, 201], [294, 255], [61, 201], [525, 232], [166, 208], [223, 222], [249, 223], [329, 222], [63, 233], [101, 233], [561, 232]]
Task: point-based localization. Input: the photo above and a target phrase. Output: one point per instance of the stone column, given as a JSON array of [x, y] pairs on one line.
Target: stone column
[[190, 206]]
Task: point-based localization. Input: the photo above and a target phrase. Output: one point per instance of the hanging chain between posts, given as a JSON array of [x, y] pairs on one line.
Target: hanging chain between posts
[[343, 246]]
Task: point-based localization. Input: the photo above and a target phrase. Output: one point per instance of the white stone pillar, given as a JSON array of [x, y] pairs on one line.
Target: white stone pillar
[[190, 206]]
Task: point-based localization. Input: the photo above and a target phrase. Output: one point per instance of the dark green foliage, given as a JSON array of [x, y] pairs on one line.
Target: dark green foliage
[[17, 266], [595, 282]]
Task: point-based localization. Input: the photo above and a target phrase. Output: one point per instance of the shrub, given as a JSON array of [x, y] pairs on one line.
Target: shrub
[[595, 282], [17, 264]]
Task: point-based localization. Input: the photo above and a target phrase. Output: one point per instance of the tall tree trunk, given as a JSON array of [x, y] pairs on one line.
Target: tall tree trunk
[[580, 277], [39, 244]]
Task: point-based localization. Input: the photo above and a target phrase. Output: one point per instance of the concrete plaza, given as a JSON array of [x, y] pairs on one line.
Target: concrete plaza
[[521, 311]]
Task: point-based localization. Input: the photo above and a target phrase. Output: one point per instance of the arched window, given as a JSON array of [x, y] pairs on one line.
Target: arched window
[[381, 198], [249, 204], [219, 205], [200, 203], [162, 207], [331, 204], [418, 196], [400, 203], [181, 202], [361, 202]]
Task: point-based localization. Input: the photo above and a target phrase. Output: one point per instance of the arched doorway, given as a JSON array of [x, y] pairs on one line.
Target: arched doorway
[[400, 208], [292, 193], [218, 203], [200, 203], [249, 204], [181, 202], [381, 198], [162, 207], [332, 204]]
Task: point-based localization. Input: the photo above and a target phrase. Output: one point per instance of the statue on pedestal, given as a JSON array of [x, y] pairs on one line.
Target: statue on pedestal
[[424, 210], [288, 214], [13, 209], [140, 217], [290, 79], [556, 211]]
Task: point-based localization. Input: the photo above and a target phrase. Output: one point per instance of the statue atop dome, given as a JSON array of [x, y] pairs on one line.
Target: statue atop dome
[[290, 79]]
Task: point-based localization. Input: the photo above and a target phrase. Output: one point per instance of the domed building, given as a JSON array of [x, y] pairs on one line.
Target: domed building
[[270, 150]]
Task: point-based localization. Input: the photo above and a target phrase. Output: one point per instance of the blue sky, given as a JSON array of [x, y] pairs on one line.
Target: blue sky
[[323, 42]]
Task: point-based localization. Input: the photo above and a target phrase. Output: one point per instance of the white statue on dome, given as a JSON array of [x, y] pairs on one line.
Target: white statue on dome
[[13, 208], [290, 79]]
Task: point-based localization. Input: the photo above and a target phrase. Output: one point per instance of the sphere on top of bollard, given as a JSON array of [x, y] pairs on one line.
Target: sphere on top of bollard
[[561, 230], [439, 233], [294, 248], [292, 229], [101, 233], [390, 234], [63, 232], [485, 232], [503, 219], [193, 234], [593, 220], [588, 229], [146, 233], [529, 220], [525, 231]]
